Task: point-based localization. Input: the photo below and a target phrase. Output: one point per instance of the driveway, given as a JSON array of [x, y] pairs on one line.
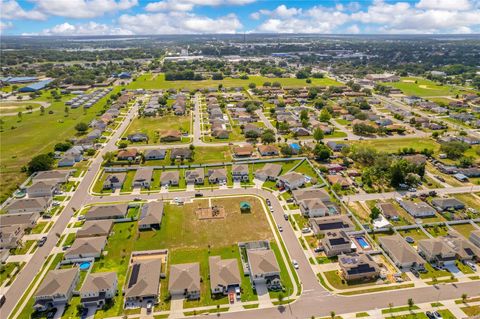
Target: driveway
[[91, 312], [263, 296], [455, 271]]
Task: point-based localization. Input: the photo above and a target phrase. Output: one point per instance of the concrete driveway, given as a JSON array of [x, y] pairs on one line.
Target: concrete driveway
[[455, 271]]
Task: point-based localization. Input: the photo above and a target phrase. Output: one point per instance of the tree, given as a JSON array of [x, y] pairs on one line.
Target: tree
[[252, 134], [304, 115], [42, 162], [42, 110], [217, 76], [318, 134], [465, 161], [81, 127], [454, 149], [332, 314], [19, 114], [322, 152], [268, 136], [122, 145], [411, 303], [108, 157], [464, 298], [325, 116], [252, 85], [374, 213], [62, 146]]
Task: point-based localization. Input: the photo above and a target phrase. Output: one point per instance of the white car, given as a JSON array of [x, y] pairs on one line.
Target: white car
[[305, 230], [295, 264]]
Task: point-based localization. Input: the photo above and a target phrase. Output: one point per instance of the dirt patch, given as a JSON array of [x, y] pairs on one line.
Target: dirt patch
[[408, 81], [214, 212]]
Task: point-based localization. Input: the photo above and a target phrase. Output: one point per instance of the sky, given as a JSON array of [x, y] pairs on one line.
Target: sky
[[141, 17]]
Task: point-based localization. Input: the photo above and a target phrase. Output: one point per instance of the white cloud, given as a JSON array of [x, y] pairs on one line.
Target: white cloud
[[90, 28], [188, 5], [83, 8], [444, 4], [5, 25], [353, 29], [12, 10], [178, 23]]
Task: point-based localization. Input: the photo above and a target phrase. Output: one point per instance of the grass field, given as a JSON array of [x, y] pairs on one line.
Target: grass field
[[15, 107], [153, 125], [392, 145], [36, 134], [423, 87], [149, 81], [464, 229], [217, 154]]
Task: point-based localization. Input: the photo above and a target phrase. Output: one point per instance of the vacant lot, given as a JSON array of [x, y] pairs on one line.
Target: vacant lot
[[152, 125], [182, 229], [392, 145], [218, 154], [149, 81]]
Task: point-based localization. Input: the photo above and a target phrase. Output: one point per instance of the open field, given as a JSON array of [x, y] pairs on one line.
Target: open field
[[464, 229], [392, 145], [35, 134], [182, 229], [153, 125], [217, 154], [149, 81], [423, 87], [14, 107]]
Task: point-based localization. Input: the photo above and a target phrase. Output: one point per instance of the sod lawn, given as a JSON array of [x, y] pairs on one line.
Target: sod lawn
[[423, 87], [392, 145]]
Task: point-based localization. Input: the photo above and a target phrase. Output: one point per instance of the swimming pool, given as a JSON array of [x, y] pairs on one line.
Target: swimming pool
[[84, 266], [362, 242]]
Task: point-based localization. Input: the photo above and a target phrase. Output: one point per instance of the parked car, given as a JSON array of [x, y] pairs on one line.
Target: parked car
[[415, 272], [305, 230], [295, 264], [149, 307], [42, 241], [136, 199], [198, 194], [237, 292], [268, 202], [280, 228], [436, 315], [429, 315], [285, 216]]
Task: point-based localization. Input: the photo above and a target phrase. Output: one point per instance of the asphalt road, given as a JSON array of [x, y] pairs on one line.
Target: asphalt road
[[28, 273]]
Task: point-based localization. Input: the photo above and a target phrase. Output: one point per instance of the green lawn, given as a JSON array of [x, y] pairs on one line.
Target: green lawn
[[6, 270], [127, 184], [149, 81], [23, 249], [392, 145], [471, 311], [217, 154], [18, 146], [464, 229], [306, 169], [337, 282], [423, 87], [153, 125]]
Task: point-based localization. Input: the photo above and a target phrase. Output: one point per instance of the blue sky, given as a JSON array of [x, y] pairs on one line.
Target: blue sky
[[130, 17]]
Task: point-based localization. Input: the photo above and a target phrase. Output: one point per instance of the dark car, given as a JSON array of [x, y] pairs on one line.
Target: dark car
[[198, 194], [415, 272], [430, 315]]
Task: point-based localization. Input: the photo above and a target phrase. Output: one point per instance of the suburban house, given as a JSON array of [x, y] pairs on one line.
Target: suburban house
[[322, 225], [114, 181], [268, 150], [44, 188], [464, 249], [98, 288], [137, 137], [436, 251], [29, 205], [240, 172], [170, 178], [151, 215], [92, 228], [144, 282], [155, 154], [217, 176], [388, 210], [336, 242], [402, 254], [170, 136], [117, 211], [224, 275], [291, 181], [417, 209], [474, 237], [86, 247], [243, 151], [450, 203], [24, 220], [340, 180], [185, 280], [56, 289], [180, 153], [59, 176], [314, 202], [336, 147], [11, 236], [66, 161], [127, 154], [264, 268], [143, 177], [269, 172], [358, 266], [195, 176]]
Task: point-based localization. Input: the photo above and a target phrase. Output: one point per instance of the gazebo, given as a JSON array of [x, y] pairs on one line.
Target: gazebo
[[245, 207]]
